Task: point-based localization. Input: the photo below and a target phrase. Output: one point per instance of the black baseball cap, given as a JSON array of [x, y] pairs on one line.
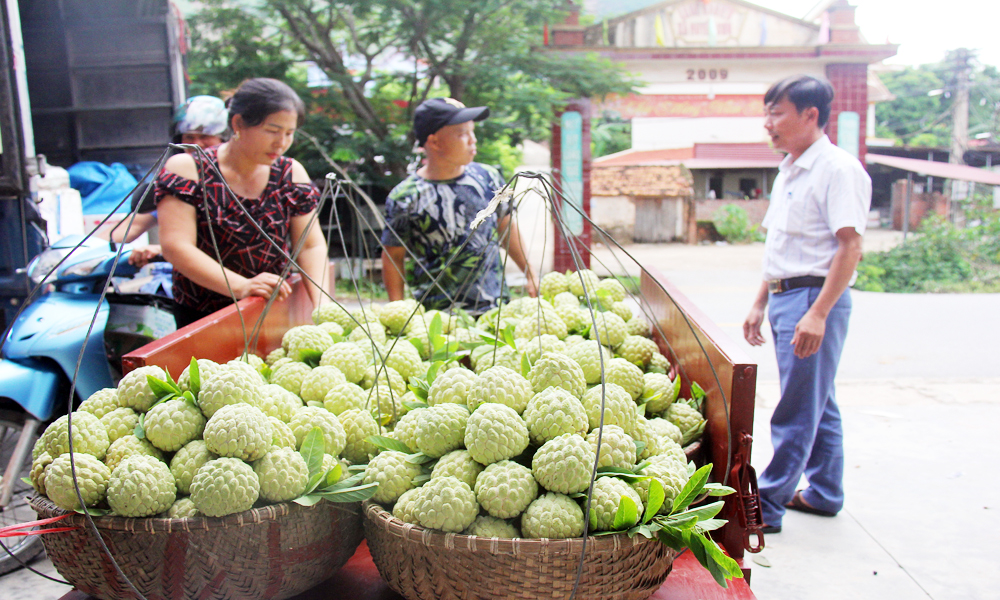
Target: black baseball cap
[[436, 113]]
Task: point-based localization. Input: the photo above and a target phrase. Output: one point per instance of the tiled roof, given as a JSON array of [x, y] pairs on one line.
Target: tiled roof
[[647, 181]]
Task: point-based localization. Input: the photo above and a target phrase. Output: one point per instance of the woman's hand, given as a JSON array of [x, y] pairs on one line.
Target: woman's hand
[[143, 254], [264, 285]]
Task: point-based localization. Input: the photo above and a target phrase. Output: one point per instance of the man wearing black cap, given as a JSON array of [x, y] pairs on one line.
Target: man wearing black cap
[[430, 212]]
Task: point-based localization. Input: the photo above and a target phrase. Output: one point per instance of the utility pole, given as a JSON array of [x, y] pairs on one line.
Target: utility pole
[[960, 125]]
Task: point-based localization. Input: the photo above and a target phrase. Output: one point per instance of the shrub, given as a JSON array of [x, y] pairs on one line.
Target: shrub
[[733, 223]]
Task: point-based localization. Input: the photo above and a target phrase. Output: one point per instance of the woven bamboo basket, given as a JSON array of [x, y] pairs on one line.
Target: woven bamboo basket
[[422, 564], [272, 552]]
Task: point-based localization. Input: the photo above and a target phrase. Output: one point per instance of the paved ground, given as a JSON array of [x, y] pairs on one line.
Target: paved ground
[[919, 389]]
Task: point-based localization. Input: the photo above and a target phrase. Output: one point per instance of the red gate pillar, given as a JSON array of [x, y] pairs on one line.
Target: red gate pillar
[[571, 178]]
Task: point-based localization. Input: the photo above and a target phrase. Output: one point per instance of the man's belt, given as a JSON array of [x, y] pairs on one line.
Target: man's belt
[[776, 286]]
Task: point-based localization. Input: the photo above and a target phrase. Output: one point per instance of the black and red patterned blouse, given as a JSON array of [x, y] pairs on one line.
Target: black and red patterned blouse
[[242, 247]]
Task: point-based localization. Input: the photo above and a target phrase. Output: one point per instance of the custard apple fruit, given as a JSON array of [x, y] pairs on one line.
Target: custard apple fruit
[[504, 489], [171, 424], [445, 503], [228, 385], [491, 527], [282, 474], [502, 386], [239, 431], [553, 516], [92, 477], [617, 447], [134, 391], [224, 486], [120, 422], [308, 417], [441, 429], [187, 461], [608, 492], [318, 382], [554, 412], [495, 432], [89, 435], [451, 386], [183, 508], [101, 402], [564, 464], [141, 486], [358, 426], [349, 358], [460, 465], [393, 473], [304, 340], [558, 370], [129, 445], [619, 409]]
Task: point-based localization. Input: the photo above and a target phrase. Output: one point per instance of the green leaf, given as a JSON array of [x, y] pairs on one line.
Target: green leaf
[[702, 512], [656, 369], [308, 500], [639, 447], [27, 480], [676, 390], [419, 458], [357, 493], [694, 433], [620, 473], [419, 345], [170, 380], [94, 512], [421, 479], [525, 365], [333, 475], [691, 489], [696, 392], [709, 525], [161, 389], [314, 480], [190, 399], [654, 501], [140, 427], [194, 377], [311, 357], [717, 489], [508, 336], [432, 371], [435, 328], [410, 405], [312, 450], [627, 514], [388, 443], [672, 538], [266, 372]]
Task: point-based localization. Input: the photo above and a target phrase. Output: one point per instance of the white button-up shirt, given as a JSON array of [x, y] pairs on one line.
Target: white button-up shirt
[[823, 191]]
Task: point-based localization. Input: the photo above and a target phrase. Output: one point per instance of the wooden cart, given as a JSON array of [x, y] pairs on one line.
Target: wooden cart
[[704, 354]]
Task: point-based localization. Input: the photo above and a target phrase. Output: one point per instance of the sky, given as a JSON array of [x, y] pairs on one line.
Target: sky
[[925, 29]]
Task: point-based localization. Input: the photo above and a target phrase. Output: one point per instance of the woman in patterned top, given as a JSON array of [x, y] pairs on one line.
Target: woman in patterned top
[[214, 239]]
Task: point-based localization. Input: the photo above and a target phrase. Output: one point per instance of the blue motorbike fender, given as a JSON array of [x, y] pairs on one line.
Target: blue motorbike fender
[[32, 384]]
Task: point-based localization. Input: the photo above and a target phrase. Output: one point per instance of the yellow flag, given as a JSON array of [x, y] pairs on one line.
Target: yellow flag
[[660, 38]]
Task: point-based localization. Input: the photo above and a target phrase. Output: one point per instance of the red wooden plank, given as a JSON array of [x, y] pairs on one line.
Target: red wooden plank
[[709, 357], [220, 335], [359, 580]]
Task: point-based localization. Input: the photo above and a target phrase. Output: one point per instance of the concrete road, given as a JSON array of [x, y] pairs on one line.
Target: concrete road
[[919, 389]]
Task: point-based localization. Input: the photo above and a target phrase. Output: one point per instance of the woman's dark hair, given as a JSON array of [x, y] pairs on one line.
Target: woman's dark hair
[[255, 99], [804, 91]]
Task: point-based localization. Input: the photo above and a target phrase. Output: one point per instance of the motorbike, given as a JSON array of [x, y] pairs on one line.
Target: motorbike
[[66, 325]]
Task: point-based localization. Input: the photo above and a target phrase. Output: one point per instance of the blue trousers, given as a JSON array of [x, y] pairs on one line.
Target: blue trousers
[[806, 430]]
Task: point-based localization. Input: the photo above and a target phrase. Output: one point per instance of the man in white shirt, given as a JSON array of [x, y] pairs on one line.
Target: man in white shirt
[[817, 215]]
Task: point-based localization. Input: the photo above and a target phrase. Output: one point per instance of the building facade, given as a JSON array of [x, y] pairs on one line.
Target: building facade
[[705, 66]]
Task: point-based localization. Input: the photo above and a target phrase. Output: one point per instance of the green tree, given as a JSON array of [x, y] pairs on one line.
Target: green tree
[[384, 57], [921, 113]]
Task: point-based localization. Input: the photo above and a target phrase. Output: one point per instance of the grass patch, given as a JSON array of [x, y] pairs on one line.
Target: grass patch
[[940, 258]]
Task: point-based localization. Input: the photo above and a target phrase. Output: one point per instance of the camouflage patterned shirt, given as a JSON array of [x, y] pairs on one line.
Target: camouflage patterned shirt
[[432, 219]]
